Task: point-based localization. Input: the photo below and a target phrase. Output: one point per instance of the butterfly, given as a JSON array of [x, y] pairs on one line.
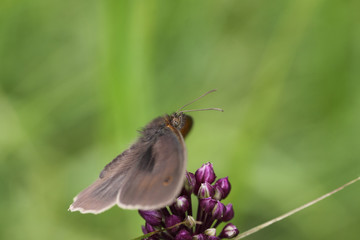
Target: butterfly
[[149, 174]]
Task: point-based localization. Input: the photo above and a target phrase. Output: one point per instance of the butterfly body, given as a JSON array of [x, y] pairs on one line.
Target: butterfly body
[[148, 175]]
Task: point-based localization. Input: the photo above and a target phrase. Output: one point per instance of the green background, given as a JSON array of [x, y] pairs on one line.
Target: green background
[[78, 78]]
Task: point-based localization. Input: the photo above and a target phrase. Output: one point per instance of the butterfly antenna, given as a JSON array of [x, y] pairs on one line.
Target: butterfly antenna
[[195, 101], [203, 109]]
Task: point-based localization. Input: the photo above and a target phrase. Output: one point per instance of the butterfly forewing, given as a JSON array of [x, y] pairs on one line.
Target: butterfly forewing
[[158, 179]]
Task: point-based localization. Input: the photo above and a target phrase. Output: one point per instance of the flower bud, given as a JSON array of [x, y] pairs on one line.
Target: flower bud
[[199, 237], [144, 230], [219, 193], [229, 213], [181, 204], [224, 185], [149, 228], [205, 174], [210, 232], [171, 221], [190, 182], [206, 190], [207, 204], [213, 238], [229, 231], [190, 222], [218, 210], [183, 235], [152, 217]]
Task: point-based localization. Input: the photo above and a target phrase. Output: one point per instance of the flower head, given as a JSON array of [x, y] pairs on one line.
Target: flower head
[[177, 220]]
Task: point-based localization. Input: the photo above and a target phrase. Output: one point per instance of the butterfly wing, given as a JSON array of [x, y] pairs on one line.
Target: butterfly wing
[[159, 175], [148, 175], [102, 194]]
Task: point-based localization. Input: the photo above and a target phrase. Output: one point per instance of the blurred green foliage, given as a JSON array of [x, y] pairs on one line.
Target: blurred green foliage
[[78, 78]]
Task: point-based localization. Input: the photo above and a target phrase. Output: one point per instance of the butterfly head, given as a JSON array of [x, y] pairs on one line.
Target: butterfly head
[[177, 120], [181, 122]]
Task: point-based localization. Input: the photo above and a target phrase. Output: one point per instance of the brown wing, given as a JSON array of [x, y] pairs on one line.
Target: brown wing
[[148, 175], [102, 194], [158, 179]]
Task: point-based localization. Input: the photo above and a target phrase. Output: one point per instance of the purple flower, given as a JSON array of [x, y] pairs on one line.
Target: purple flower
[[207, 204], [210, 211], [181, 204], [205, 174], [210, 232], [171, 221], [219, 193], [200, 236], [153, 217], [224, 185], [213, 238], [190, 183], [229, 213], [144, 230], [229, 231], [183, 235], [190, 222], [218, 210], [147, 228], [206, 190]]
